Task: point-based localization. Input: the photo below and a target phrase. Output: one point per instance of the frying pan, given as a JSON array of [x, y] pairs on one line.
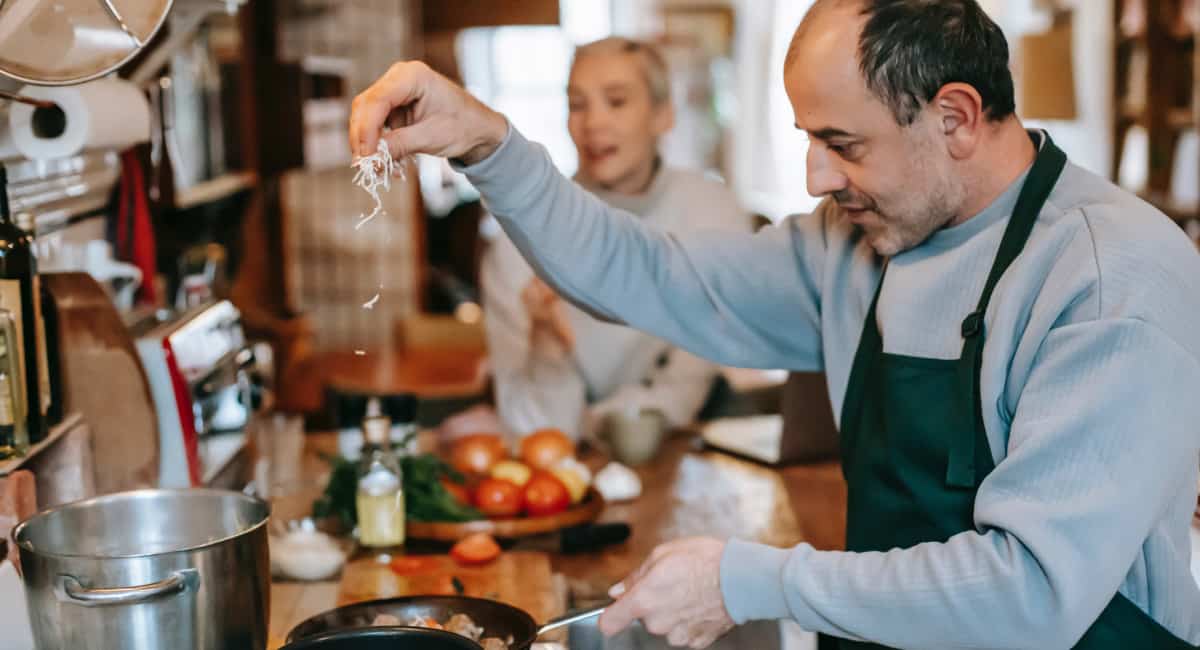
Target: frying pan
[[347, 628], [385, 638]]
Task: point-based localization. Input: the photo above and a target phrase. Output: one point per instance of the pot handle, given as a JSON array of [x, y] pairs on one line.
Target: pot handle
[[569, 618], [69, 590]]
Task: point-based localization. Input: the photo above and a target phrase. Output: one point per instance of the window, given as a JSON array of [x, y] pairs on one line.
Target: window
[[522, 72]]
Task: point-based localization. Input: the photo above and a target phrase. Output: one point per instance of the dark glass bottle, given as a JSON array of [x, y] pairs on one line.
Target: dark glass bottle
[[19, 294], [55, 413]]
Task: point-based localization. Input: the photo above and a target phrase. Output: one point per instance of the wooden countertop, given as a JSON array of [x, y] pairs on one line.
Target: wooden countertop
[[690, 491], [687, 491]]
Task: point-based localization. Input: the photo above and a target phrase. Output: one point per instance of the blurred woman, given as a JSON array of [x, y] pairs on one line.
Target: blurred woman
[[554, 365]]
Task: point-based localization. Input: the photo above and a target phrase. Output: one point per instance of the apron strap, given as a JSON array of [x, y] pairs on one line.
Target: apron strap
[[962, 469], [852, 411]]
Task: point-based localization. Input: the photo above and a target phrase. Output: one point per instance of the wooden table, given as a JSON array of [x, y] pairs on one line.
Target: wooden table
[[427, 373], [687, 491]]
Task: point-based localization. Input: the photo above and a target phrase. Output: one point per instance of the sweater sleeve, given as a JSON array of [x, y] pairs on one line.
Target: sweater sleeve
[[741, 299], [1059, 521]]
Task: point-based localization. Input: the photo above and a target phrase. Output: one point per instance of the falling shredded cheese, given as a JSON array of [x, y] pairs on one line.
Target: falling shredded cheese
[[375, 172]]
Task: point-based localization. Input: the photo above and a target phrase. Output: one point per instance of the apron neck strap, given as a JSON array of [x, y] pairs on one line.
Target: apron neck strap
[[1047, 167]]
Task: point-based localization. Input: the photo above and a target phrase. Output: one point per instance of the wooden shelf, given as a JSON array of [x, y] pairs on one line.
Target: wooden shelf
[[13, 464], [1164, 65], [1176, 118], [1181, 118]]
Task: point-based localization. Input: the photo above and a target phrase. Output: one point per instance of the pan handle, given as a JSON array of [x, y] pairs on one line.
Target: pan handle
[[570, 618]]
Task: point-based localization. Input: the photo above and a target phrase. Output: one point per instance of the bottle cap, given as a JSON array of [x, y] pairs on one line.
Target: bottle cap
[[376, 430]]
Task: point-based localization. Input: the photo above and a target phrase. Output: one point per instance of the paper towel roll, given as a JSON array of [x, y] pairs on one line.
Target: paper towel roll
[[7, 148], [104, 114]]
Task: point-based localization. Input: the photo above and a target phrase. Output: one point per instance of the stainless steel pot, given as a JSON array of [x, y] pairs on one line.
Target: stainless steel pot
[[149, 570]]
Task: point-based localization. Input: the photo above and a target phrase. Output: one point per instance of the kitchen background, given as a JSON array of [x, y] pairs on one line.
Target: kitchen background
[[213, 206], [246, 173]]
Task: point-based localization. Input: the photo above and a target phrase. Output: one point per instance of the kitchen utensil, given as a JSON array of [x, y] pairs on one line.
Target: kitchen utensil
[[63, 42], [496, 618], [585, 511], [148, 569], [584, 538], [587, 538]]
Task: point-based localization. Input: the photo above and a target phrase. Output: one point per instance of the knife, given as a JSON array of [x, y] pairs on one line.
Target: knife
[[584, 538]]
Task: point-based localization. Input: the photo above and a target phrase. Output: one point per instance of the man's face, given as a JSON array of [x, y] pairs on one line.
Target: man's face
[[897, 183]]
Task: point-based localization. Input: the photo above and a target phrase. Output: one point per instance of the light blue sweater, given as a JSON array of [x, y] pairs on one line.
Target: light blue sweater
[[1090, 388]]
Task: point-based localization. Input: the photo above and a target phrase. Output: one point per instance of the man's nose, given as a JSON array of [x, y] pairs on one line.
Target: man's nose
[[824, 178]]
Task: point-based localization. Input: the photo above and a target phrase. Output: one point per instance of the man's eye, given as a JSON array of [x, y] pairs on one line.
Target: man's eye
[[844, 150]]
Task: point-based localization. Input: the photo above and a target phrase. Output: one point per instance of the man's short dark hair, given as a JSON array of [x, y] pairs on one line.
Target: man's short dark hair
[[909, 49]]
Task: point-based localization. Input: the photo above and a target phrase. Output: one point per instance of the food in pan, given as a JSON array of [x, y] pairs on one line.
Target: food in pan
[[460, 624]]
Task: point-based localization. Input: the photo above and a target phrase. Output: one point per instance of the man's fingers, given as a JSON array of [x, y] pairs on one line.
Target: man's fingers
[[366, 123], [619, 615], [659, 552], [400, 87], [678, 637], [409, 139], [631, 581]]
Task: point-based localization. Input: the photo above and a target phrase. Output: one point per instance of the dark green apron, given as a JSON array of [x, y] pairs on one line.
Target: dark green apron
[[914, 448]]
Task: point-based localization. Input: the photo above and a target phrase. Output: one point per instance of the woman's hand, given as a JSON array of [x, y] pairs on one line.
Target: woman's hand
[[547, 313]]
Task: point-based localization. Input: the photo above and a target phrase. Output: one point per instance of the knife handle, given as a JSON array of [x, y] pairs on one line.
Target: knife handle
[[589, 537]]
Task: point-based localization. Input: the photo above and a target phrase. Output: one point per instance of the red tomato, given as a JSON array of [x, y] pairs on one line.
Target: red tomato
[[545, 495], [460, 492], [496, 498], [479, 548]]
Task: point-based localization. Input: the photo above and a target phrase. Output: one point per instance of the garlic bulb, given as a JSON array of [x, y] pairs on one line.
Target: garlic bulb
[[617, 482]]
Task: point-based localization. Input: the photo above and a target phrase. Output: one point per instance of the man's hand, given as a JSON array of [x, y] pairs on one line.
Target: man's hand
[[676, 593], [546, 313], [430, 114]]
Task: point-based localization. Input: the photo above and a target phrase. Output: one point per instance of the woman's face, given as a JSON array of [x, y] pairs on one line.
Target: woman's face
[[614, 122]]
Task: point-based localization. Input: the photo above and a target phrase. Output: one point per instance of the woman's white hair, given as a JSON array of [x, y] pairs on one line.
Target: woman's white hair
[[650, 60]]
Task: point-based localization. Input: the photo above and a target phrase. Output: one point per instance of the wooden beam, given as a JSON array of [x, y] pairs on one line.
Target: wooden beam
[[453, 15]]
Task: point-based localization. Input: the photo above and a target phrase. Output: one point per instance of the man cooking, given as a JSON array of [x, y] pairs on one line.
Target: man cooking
[[1009, 339]]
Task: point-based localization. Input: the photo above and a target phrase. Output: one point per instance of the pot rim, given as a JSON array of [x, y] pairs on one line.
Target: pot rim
[[24, 545]]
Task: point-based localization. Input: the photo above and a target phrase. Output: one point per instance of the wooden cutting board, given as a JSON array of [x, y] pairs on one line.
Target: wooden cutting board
[[522, 579]]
